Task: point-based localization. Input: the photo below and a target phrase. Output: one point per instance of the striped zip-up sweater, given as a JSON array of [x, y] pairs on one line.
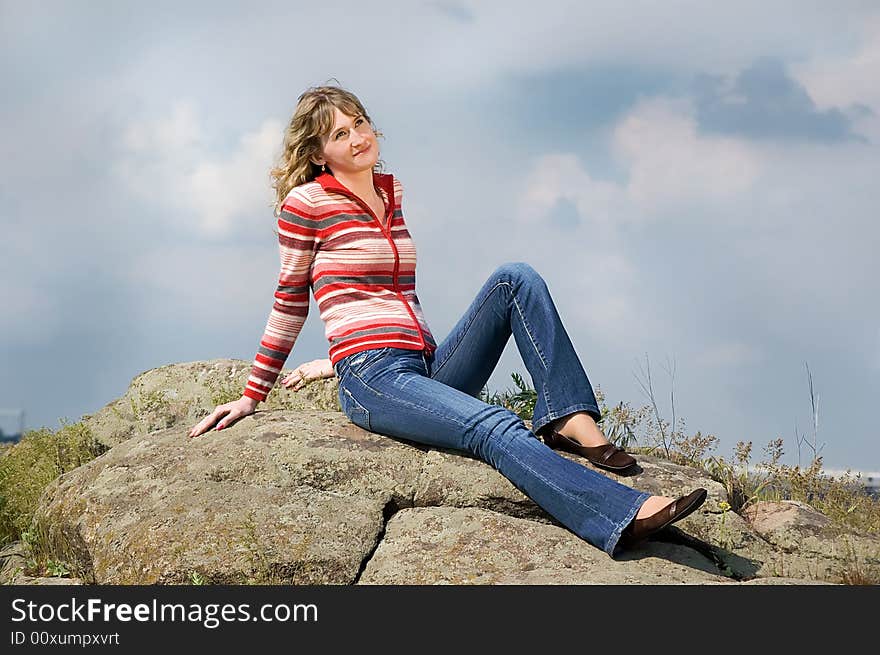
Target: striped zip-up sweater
[[362, 272]]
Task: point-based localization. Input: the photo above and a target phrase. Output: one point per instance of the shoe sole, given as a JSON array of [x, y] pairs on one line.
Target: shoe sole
[[606, 467]]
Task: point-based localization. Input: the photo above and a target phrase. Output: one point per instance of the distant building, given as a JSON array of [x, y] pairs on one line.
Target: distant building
[[873, 484], [870, 480], [11, 424]]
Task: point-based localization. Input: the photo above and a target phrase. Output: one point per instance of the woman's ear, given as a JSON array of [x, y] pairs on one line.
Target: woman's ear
[[317, 161]]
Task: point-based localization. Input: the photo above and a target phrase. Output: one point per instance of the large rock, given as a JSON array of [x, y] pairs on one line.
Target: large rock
[[182, 394], [446, 545], [807, 544], [297, 494], [230, 507]]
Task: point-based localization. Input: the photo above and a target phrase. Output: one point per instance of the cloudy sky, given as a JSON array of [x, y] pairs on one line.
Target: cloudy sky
[[697, 182]]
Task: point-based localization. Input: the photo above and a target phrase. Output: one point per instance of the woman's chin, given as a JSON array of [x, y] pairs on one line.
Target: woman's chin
[[368, 163], [361, 167]]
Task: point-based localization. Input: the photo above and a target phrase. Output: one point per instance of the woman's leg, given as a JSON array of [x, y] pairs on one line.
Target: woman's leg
[[515, 300], [389, 392]]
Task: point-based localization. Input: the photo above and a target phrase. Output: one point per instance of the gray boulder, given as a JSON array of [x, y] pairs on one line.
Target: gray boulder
[[297, 494]]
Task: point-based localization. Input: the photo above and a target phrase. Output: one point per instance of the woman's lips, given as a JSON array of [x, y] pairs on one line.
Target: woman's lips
[[360, 152]]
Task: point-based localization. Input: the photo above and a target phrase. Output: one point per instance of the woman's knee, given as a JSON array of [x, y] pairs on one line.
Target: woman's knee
[[518, 272], [494, 426]]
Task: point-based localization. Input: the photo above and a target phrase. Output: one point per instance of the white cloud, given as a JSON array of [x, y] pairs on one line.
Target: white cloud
[[844, 80], [169, 162], [839, 80], [561, 176], [165, 137], [598, 287], [522, 36], [671, 169], [223, 189], [672, 166], [780, 217]]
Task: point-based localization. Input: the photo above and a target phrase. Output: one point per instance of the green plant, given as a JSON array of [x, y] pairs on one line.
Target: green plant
[[197, 578], [153, 401], [35, 461], [225, 392], [742, 485], [619, 424], [722, 533], [56, 569], [520, 401]]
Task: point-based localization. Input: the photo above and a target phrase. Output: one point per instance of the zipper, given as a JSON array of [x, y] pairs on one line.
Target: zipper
[[387, 234]]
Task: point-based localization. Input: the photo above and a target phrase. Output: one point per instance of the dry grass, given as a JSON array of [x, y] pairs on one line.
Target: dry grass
[[31, 464]]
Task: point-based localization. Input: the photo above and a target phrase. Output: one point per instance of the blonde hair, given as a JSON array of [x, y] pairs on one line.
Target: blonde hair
[[312, 119]]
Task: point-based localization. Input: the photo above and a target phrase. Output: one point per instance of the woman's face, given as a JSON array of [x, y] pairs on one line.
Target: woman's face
[[351, 147]]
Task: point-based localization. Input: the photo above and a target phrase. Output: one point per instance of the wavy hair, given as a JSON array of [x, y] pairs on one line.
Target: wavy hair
[[312, 119]]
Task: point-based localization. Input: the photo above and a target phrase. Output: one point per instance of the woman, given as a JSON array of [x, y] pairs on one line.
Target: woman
[[342, 233]]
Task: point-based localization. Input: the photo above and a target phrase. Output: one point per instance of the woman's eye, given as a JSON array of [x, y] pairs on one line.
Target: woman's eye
[[359, 121], [339, 134]]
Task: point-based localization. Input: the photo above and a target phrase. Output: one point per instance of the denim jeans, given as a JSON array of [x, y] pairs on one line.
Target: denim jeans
[[432, 400]]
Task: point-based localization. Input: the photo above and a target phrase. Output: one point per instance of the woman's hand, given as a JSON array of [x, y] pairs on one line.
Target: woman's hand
[[226, 414], [305, 373]]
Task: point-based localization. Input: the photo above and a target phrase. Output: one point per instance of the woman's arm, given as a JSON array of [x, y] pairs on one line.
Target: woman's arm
[[297, 243]]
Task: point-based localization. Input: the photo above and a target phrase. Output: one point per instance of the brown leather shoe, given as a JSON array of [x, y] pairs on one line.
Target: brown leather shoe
[[608, 456], [640, 529]]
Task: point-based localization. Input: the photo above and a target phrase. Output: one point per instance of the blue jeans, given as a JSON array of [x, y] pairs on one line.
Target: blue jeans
[[432, 400]]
